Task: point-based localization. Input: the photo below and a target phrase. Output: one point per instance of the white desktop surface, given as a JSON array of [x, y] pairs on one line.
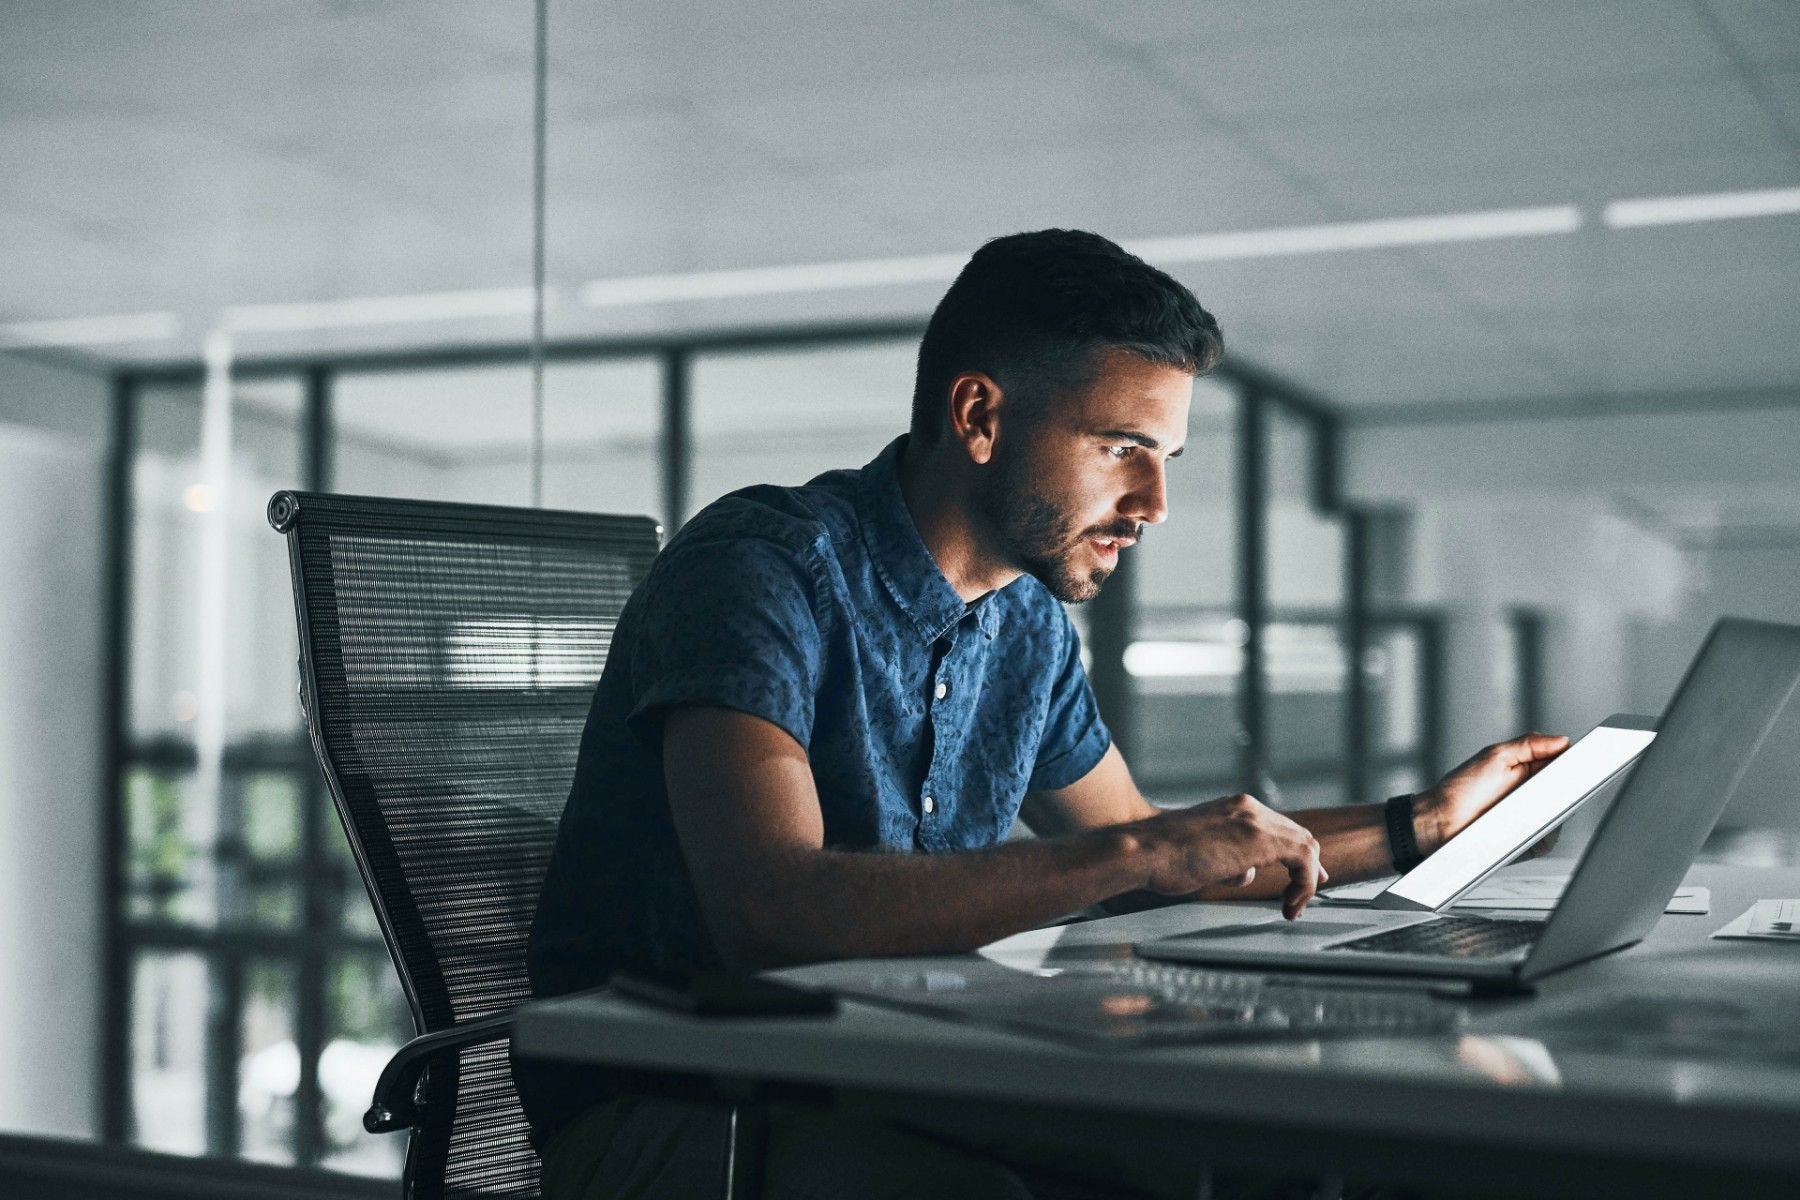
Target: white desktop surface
[[1520, 1078]]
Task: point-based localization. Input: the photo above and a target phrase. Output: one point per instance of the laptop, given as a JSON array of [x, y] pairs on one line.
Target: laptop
[[1737, 686]]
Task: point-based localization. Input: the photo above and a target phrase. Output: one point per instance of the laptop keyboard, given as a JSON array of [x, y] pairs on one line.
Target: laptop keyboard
[[1450, 937]]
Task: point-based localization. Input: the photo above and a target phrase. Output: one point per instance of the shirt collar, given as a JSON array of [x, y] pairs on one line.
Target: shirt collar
[[905, 566]]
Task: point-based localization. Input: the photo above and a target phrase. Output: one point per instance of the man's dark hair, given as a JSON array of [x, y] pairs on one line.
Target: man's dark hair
[[1031, 311]]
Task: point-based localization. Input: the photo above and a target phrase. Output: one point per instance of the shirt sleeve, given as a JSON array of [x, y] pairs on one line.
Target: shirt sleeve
[[728, 624], [1075, 738]]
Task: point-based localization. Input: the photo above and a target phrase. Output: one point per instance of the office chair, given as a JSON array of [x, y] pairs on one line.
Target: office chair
[[448, 656]]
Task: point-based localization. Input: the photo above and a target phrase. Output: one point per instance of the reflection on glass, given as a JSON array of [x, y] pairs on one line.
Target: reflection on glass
[[1305, 553], [1291, 793], [464, 434], [1401, 782], [272, 817], [1189, 562], [785, 416], [1185, 667], [169, 869], [169, 1001], [170, 505], [269, 1063], [1392, 673], [1304, 654], [1304, 664], [366, 1021], [269, 883], [190, 861], [1187, 653]]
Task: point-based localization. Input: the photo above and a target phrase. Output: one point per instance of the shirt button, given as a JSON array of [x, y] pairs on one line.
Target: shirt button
[[930, 804], [942, 690]]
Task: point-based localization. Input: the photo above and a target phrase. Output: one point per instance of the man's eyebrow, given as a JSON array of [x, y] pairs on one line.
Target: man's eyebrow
[[1142, 439]]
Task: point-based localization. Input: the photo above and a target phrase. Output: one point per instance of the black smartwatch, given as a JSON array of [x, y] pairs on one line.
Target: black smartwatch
[[1402, 841]]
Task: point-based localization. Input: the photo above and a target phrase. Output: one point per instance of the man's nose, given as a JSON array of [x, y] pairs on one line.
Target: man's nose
[[1148, 502]]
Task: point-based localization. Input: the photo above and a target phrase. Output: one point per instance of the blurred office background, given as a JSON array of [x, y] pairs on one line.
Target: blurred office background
[[1510, 415]]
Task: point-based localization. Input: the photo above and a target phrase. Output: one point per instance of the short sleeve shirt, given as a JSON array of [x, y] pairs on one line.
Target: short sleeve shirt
[[820, 610]]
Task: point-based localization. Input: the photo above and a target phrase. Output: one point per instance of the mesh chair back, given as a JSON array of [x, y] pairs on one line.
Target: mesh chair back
[[449, 654]]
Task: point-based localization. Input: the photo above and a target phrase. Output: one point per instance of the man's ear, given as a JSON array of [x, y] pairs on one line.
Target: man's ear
[[975, 401]]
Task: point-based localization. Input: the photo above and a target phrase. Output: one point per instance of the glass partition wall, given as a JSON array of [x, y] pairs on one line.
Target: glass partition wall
[[251, 1003], [1184, 657]]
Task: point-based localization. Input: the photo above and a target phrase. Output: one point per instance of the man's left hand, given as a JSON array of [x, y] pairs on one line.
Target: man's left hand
[[1444, 811]]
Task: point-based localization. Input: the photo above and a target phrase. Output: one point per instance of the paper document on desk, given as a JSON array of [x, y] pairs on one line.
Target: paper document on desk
[[1520, 893], [1766, 920]]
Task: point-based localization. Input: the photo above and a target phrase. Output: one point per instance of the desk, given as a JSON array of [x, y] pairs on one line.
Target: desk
[[1539, 1095]]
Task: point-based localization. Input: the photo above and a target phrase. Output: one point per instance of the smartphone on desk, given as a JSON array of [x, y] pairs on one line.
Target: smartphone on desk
[[723, 994]]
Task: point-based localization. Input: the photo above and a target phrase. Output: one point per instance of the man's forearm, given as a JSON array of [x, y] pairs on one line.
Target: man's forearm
[[822, 904]]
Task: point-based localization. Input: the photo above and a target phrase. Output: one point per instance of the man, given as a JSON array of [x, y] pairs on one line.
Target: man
[[826, 705]]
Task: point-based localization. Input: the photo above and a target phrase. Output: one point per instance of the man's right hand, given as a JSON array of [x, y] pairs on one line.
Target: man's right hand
[[1226, 842]]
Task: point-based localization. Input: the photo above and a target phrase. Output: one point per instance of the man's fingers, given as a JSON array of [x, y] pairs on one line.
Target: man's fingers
[[1301, 857], [1530, 751], [1298, 894], [1533, 750], [1305, 873]]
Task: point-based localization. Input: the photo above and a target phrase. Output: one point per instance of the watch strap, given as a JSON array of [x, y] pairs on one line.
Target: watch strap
[[1403, 842]]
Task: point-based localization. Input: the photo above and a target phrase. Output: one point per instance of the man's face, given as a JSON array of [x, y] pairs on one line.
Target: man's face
[[1067, 489]]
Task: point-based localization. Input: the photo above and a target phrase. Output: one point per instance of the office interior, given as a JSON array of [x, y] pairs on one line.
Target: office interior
[[1508, 418]]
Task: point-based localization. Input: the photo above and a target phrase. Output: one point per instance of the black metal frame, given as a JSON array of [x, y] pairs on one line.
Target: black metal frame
[[1253, 587], [311, 946], [115, 1095], [1528, 665], [1260, 393]]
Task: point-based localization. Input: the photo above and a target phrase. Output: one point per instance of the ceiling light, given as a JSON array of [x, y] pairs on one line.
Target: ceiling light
[[1209, 247], [1361, 235], [379, 310], [91, 331], [768, 281], [1716, 206]]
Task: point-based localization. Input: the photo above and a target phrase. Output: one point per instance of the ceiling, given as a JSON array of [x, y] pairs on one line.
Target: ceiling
[[182, 158]]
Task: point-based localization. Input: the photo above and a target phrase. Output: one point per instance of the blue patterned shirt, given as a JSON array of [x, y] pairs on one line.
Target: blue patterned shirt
[[818, 609]]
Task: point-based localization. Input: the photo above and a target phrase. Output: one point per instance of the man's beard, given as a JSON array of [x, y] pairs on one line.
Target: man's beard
[[1036, 535]]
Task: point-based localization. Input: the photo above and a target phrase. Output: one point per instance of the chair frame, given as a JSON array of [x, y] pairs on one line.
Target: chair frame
[[402, 1093]]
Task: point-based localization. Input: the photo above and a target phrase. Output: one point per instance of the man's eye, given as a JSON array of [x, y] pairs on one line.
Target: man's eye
[[1120, 453]]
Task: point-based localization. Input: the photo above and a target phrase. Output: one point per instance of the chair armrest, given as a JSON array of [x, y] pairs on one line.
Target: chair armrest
[[396, 1103]]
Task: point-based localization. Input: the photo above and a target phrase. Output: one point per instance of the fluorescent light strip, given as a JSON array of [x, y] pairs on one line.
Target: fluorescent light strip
[[1361, 235], [769, 281], [1216, 247], [92, 331], [378, 310], [1717, 206]]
